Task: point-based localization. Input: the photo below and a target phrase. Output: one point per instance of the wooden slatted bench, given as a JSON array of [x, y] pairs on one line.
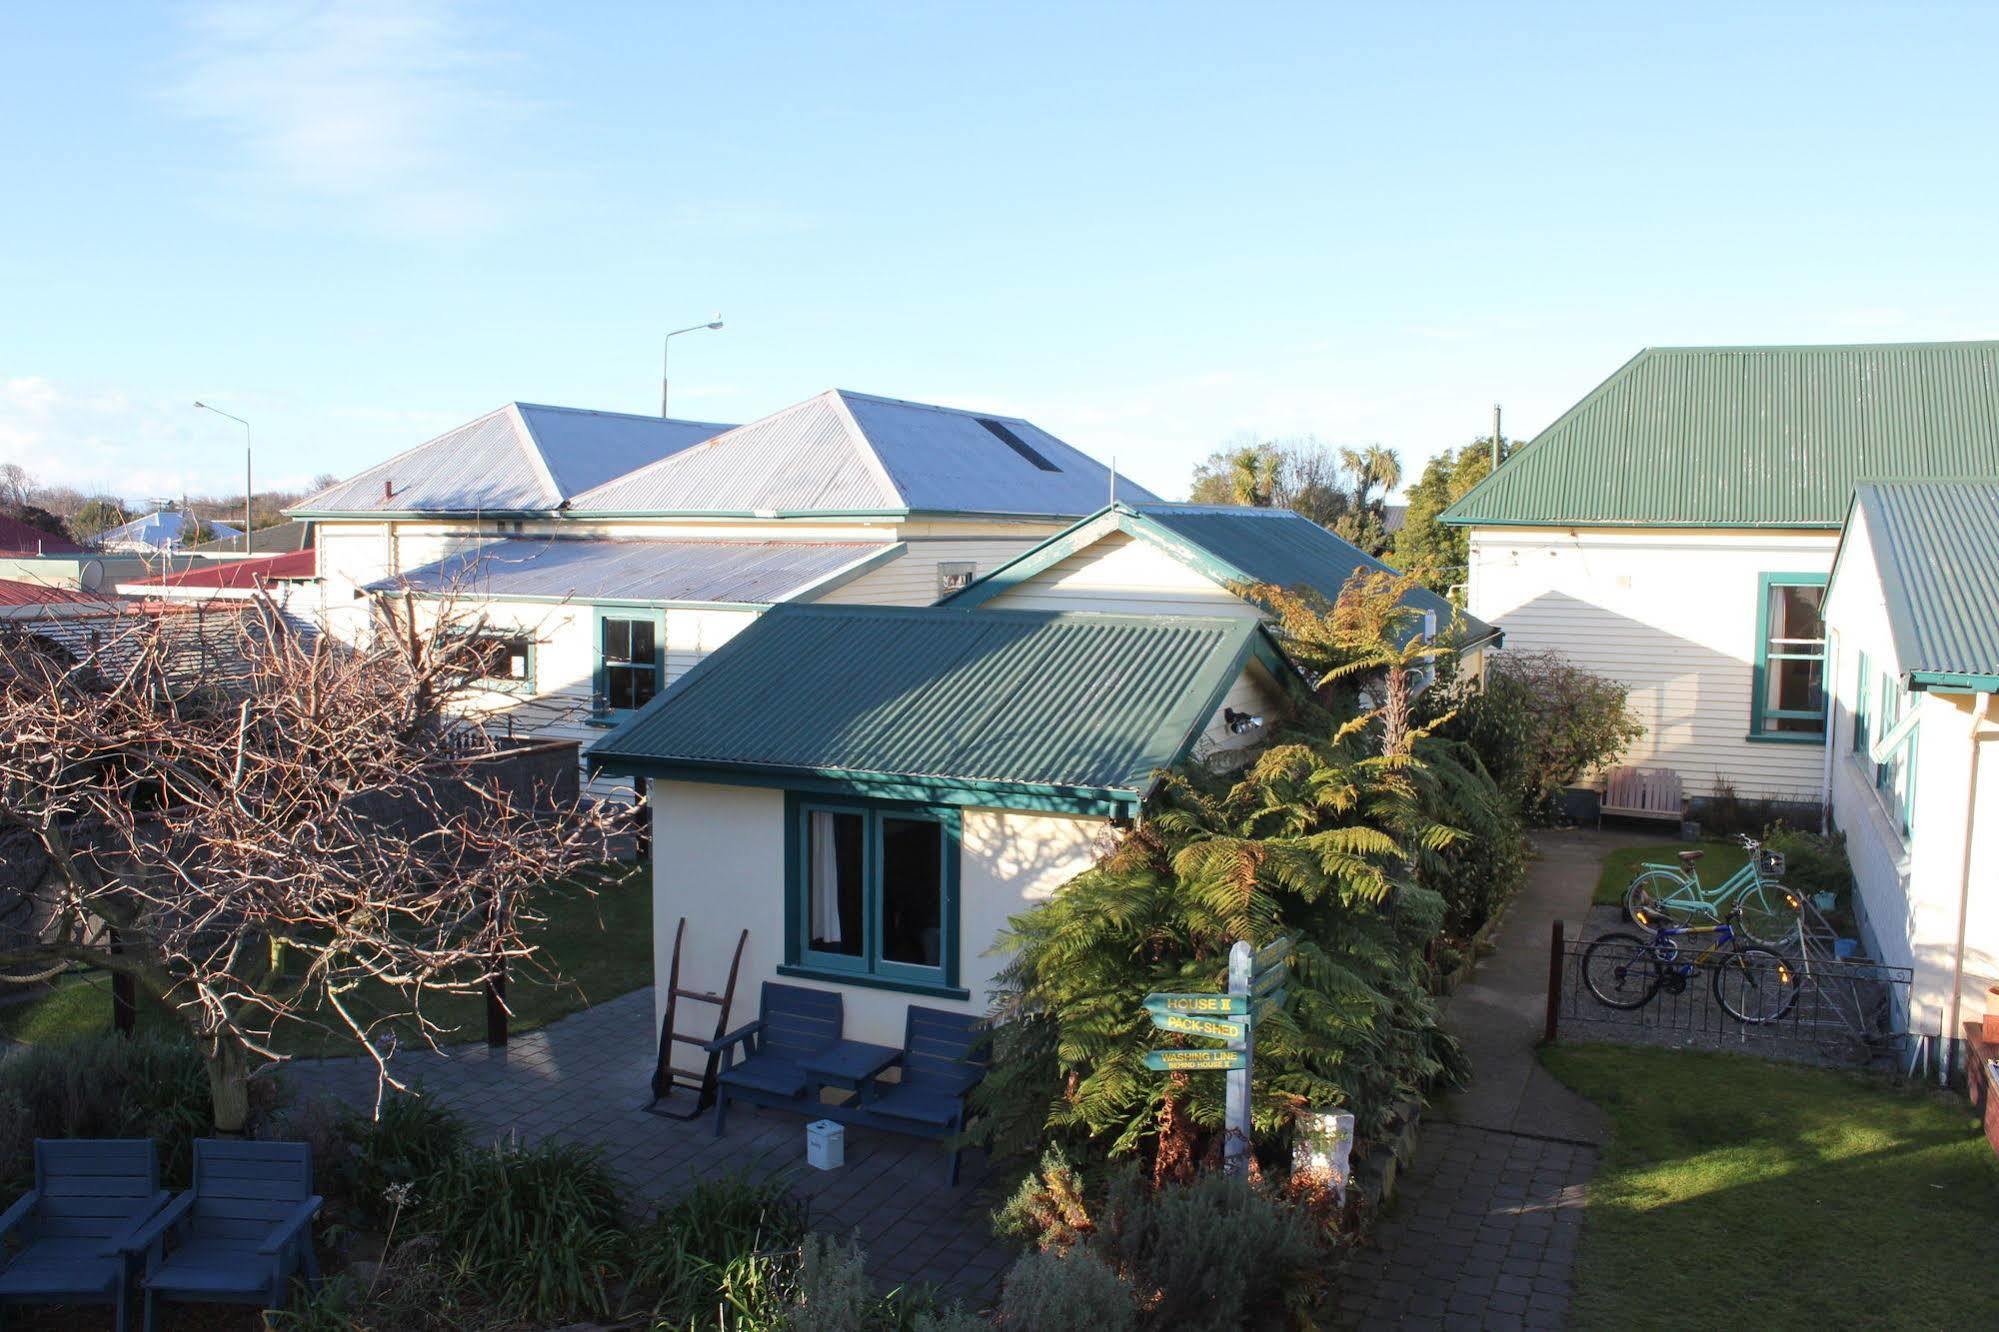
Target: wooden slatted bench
[[1644, 793]]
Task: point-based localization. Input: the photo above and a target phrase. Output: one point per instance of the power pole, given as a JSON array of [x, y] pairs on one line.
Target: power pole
[[1495, 437]]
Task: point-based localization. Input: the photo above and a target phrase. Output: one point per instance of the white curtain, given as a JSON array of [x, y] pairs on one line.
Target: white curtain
[[825, 871]]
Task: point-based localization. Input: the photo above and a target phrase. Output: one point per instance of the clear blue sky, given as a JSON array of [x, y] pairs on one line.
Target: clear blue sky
[[1146, 227]]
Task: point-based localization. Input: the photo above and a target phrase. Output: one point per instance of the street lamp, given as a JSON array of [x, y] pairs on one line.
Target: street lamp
[[246, 469], [666, 346]]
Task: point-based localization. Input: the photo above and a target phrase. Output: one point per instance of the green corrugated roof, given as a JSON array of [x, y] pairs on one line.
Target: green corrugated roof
[[1084, 707], [1230, 544], [1750, 437], [1936, 545]]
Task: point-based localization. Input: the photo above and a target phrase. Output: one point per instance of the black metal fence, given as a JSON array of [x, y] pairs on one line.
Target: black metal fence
[[1838, 1010]]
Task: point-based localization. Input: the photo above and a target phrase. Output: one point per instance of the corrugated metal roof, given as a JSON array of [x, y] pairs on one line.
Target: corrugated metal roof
[[273, 540], [753, 572], [523, 458], [18, 538], [1936, 545], [1751, 437], [854, 453], [1288, 549], [13, 592], [1078, 702], [160, 530], [241, 573]]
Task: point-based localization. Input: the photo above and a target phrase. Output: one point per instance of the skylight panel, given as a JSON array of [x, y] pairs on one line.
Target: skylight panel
[[1016, 443]]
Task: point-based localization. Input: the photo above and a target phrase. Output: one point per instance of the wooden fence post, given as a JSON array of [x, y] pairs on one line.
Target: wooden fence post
[[496, 991], [124, 994], [1557, 954]]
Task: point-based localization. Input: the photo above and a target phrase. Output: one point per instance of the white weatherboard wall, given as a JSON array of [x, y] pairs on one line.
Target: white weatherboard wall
[[1121, 574], [1672, 614], [718, 861], [1910, 891]]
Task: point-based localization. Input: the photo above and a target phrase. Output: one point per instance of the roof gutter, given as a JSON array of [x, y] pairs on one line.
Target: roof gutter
[[1105, 802]]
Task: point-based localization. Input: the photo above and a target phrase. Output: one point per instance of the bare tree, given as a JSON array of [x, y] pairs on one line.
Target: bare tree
[[17, 486], [261, 829]]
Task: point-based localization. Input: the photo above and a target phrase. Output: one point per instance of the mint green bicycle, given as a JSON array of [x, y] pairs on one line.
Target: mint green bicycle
[[1769, 913]]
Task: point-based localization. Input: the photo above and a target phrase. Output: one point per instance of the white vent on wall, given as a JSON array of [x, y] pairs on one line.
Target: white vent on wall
[[953, 575]]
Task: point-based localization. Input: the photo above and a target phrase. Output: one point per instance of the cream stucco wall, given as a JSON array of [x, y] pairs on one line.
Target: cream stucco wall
[[718, 862], [1911, 890], [1673, 614]]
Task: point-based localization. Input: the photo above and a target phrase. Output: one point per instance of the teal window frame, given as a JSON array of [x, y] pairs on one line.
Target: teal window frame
[[1863, 715], [869, 969], [600, 679], [1759, 715], [1895, 780]]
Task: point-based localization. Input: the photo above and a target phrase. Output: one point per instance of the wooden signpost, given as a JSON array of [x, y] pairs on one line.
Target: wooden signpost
[[1256, 983]]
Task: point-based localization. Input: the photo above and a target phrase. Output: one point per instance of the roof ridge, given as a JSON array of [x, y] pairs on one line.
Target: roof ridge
[[1818, 346], [306, 503], [630, 416], [698, 448], [929, 406], [539, 455], [870, 455]]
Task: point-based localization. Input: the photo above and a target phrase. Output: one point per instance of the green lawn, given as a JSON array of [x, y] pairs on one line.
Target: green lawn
[[1738, 1192], [1722, 859], [599, 946]]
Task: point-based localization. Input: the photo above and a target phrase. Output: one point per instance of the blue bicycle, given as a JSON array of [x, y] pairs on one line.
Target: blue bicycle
[[1752, 984]]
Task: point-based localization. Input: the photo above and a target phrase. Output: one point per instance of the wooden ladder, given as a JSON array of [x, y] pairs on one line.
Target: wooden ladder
[[667, 1077]]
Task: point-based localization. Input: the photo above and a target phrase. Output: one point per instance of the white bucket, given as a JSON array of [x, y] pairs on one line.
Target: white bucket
[[825, 1144]]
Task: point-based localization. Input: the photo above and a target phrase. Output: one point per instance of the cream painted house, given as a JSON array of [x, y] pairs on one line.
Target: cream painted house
[[873, 791], [1675, 529], [1912, 614], [605, 554]]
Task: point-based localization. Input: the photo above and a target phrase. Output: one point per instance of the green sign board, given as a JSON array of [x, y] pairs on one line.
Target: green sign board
[[1271, 954], [1221, 1029], [1270, 980], [1180, 1061], [1197, 1003]]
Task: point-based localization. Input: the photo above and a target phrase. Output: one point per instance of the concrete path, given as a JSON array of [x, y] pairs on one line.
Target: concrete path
[[1483, 1231]]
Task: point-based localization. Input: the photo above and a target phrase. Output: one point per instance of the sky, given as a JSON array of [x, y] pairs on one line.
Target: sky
[[1146, 227]]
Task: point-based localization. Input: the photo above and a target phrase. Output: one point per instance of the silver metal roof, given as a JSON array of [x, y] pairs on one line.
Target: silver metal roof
[[844, 452], [522, 458], [552, 568]]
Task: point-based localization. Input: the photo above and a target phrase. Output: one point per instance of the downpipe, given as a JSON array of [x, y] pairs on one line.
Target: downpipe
[[1953, 1034]]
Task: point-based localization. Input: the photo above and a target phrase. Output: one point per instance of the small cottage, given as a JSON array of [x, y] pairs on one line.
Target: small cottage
[[873, 791]]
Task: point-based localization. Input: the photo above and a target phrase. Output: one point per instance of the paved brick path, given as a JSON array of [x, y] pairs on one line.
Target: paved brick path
[[586, 1078], [1482, 1235]]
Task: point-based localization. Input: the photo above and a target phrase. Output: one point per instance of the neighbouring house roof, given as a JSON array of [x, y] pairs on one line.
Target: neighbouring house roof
[[1750, 437], [19, 538], [1936, 548], [14, 593], [242, 573], [633, 570], [1233, 546], [521, 458], [273, 540], [160, 530], [851, 453], [1038, 709]]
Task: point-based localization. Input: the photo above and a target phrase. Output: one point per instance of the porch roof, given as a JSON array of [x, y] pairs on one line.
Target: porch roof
[[1048, 710]]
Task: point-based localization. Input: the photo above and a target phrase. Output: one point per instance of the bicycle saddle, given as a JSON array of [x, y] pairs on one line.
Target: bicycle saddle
[[1689, 857]]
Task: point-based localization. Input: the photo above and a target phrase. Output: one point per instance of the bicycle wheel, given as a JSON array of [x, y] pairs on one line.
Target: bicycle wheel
[[1756, 985], [1622, 970], [1768, 918], [1643, 900]]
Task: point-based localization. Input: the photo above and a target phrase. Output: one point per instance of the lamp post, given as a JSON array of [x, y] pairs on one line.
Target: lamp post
[[666, 346], [246, 469]]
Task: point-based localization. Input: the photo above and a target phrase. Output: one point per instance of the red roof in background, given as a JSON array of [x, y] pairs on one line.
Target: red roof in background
[[17, 538], [16, 593], [242, 573]]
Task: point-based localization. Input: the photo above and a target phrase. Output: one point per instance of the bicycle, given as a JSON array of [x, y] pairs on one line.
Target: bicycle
[[1767, 912], [1753, 984]]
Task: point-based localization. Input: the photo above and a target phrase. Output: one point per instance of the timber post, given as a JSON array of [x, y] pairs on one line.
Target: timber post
[[1557, 952]]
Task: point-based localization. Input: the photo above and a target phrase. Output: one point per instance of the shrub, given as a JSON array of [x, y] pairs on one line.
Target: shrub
[[1539, 723], [1221, 1254], [1813, 864], [1077, 1292], [533, 1229], [726, 1243], [413, 1292], [110, 1086], [833, 1292], [411, 1142], [1049, 1209]]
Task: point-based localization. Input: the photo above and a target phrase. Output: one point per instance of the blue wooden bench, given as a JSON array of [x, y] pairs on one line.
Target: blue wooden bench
[[793, 1024], [240, 1233], [788, 1050], [77, 1230]]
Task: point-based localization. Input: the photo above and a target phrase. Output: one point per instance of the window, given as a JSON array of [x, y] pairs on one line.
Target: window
[[1788, 702], [1895, 774], [502, 661], [630, 660], [873, 893], [953, 575], [1863, 711]]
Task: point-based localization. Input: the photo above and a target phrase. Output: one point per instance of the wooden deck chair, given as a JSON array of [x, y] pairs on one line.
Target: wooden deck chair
[[73, 1236], [241, 1233]]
